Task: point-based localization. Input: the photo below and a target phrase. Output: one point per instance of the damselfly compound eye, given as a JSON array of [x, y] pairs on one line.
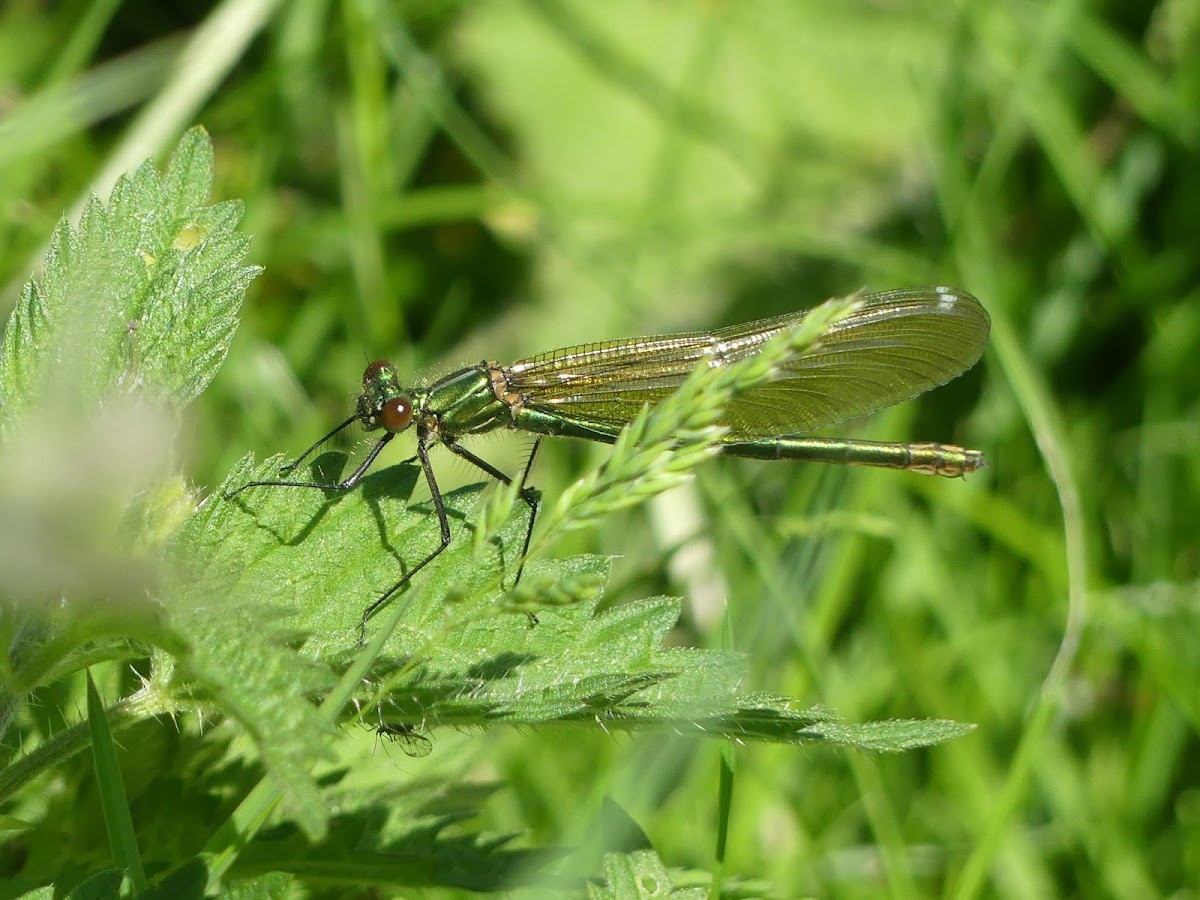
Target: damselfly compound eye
[[396, 414], [374, 369]]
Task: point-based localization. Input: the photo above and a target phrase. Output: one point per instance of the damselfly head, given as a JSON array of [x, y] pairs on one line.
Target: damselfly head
[[383, 403]]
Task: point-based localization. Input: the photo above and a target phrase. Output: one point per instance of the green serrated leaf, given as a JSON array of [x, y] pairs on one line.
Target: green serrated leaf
[[266, 687], [124, 326], [130, 317], [140, 298], [639, 875], [892, 736], [471, 662], [404, 836]]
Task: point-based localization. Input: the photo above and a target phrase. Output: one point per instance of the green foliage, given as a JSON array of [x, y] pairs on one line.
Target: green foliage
[[443, 183], [250, 623], [141, 298], [640, 874]]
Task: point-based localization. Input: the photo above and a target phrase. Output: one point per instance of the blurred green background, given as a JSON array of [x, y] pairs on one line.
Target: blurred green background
[[439, 182]]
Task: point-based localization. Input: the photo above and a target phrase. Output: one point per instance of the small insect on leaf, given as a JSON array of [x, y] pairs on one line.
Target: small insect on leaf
[[411, 740]]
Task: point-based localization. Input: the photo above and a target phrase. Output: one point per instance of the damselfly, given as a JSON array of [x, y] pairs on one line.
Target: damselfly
[[894, 346]]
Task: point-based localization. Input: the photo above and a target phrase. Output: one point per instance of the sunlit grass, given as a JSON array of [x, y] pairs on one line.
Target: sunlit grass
[[440, 184]]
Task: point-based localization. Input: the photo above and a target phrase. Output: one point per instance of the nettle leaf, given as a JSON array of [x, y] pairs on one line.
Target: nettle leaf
[[140, 297], [404, 834], [622, 862], [465, 651], [129, 319]]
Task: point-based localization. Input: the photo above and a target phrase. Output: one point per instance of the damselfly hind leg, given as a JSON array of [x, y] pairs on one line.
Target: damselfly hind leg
[[528, 495], [439, 507]]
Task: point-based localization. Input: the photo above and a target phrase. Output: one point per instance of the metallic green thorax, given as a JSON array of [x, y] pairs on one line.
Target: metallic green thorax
[[463, 403]]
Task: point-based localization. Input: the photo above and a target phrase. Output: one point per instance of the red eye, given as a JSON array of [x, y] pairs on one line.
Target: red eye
[[396, 414], [374, 369]]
